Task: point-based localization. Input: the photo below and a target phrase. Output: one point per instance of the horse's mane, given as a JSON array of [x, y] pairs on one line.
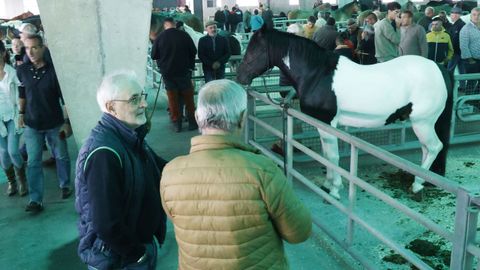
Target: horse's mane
[[304, 48]]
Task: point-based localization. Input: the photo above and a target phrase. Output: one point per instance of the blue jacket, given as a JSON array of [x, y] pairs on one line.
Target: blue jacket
[[117, 195]]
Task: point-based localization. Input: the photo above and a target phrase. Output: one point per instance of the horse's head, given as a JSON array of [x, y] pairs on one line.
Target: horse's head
[[255, 61]]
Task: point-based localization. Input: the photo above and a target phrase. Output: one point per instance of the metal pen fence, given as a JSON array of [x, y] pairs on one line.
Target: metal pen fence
[[464, 247]]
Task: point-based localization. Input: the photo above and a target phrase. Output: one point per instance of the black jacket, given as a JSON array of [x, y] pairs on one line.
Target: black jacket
[[454, 32], [208, 56], [175, 53]]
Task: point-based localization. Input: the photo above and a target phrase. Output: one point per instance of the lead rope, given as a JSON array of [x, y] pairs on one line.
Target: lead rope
[[149, 118], [284, 103]]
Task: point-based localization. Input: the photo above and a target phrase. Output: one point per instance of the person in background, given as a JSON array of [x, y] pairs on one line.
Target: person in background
[[366, 46], [43, 117], [214, 52], [10, 159], [231, 207], [256, 22], [470, 47], [175, 52], [116, 182], [387, 34], [440, 48], [267, 16], [220, 18], [247, 17], [18, 52], [326, 35], [413, 39], [309, 28], [342, 48], [426, 20], [454, 32]]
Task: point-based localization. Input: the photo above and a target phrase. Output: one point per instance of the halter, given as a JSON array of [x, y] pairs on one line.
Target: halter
[[284, 103]]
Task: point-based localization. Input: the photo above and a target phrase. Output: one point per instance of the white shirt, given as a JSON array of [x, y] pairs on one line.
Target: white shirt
[[8, 95]]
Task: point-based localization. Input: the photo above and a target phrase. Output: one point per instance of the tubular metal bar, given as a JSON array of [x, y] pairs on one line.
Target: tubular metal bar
[[267, 153], [367, 187], [289, 150], [466, 218], [474, 250], [379, 194], [390, 243], [266, 126], [352, 192], [354, 253], [398, 162]]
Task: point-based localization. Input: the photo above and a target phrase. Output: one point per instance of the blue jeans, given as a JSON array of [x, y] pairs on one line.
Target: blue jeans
[[34, 140], [149, 264], [9, 153]]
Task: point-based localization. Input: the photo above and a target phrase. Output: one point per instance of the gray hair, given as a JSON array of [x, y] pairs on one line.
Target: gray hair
[[115, 83], [220, 105]]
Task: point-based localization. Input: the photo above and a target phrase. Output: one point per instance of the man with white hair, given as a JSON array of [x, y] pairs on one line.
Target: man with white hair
[[426, 20], [117, 182], [231, 206]]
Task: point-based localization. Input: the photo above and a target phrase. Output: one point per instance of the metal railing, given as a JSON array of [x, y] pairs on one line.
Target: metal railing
[[464, 247]]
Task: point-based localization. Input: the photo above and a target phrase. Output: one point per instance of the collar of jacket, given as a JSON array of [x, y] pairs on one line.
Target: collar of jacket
[[134, 138], [217, 142]]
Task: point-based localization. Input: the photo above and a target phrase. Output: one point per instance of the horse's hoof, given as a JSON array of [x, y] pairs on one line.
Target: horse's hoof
[[416, 187], [335, 194]]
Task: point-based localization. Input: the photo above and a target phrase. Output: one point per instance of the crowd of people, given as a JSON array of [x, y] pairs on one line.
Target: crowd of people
[[231, 207], [376, 40]]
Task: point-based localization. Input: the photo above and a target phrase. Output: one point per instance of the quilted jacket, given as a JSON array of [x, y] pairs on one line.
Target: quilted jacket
[[231, 207]]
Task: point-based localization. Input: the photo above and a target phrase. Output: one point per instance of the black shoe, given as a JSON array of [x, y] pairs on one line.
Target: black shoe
[[34, 207], [177, 126], [66, 192], [49, 162]]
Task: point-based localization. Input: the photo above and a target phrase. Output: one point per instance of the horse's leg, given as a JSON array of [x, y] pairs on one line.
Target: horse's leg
[[330, 151], [431, 146]]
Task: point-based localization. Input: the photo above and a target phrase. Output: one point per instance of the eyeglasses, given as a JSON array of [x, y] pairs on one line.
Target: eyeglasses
[[135, 99]]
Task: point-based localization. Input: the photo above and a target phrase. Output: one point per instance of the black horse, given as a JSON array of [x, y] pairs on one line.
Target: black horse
[[336, 91]]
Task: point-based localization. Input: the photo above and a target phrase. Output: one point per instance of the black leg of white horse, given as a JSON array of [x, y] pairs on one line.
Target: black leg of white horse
[[330, 151], [431, 146]]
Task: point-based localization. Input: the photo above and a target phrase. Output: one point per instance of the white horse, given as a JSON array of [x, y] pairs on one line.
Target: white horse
[[337, 91]]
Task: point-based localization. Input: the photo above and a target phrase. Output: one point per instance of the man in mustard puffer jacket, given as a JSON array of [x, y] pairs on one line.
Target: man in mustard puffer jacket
[[231, 206]]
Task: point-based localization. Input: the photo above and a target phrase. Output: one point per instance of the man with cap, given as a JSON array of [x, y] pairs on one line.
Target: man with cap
[[175, 53], [214, 52], [454, 31]]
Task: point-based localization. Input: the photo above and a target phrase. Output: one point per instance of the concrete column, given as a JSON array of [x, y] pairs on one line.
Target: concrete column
[[88, 39]]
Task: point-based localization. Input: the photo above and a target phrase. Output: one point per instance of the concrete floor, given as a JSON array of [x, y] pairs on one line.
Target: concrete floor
[[49, 240]]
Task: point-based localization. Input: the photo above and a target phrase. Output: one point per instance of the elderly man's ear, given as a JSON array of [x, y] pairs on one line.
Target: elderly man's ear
[[110, 108]]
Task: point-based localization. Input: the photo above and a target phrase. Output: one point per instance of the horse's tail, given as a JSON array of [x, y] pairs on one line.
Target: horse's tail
[[442, 126]]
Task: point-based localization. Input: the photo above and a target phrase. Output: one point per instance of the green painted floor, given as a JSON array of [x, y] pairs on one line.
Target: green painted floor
[[49, 240]]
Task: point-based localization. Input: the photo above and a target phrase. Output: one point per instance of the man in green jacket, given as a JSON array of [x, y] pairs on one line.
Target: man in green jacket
[[387, 34], [231, 206]]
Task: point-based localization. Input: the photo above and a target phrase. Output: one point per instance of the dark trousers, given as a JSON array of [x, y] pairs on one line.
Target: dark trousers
[[472, 86], [174, 106], [211, 75]]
